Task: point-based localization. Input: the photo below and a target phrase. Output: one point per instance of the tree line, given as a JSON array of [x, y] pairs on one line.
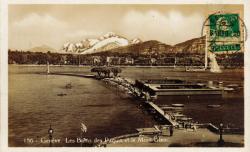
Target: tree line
[[179, 59]]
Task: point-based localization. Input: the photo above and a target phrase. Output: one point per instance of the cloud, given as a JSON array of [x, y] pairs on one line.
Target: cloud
[[36, 29], [171, 27], [80, 34], [37, 20]]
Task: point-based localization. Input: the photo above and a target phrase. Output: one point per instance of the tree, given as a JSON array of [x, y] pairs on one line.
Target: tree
[[106, 71], [116, 70], [98, 70]]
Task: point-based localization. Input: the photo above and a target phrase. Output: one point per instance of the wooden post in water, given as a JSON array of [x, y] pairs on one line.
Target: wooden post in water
[[48, 67], [79, 60]]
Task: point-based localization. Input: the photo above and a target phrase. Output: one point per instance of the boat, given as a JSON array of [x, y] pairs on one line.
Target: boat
[[184, 119], [178, 105], [228, 89], [163, 105], [178, 115], [233, 85], [167, 108], [172, 108], [68, 86], [61, 94], [149, 131], [213, 106], [193, 69]]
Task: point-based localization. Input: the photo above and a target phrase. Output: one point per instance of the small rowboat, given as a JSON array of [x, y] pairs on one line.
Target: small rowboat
[[167, 108], [179, 116], [213, 106], [178, 105], [68, 86], [164, 105], [233, 85], [184, 119], [61, 94], [228, 89]]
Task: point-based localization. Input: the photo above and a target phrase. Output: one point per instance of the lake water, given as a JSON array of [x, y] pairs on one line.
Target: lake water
[[35, 103]]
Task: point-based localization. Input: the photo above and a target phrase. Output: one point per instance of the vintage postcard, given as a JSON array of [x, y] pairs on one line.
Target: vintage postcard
[[124, 74]]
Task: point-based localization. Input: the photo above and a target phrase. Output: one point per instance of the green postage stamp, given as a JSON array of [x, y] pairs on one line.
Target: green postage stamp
[[225, 32]]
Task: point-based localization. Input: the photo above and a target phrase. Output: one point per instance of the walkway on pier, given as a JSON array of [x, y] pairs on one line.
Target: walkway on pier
[[161, 112], [74, 74]]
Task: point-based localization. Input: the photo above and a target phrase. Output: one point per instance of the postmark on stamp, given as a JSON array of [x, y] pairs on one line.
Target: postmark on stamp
[[224, 28], [225, 32]]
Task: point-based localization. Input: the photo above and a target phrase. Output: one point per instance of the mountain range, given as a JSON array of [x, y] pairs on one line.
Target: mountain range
[[95, 45], [196, 45], [112, 42]]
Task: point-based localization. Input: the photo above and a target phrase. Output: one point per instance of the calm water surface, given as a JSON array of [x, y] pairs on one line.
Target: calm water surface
[[34, 104]]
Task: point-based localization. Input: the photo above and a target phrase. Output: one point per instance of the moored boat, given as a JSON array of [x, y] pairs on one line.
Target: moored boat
[[214, 106], [178, 105]]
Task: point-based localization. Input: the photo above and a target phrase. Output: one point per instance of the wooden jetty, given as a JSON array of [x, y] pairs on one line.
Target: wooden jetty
[[149, 131], [163, 114], [176, 87], [74, 74]]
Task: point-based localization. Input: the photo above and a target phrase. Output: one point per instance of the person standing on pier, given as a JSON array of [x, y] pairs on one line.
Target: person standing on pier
[[171, 130]]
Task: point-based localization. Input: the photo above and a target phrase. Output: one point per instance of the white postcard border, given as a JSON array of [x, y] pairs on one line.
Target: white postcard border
[[4, 73]]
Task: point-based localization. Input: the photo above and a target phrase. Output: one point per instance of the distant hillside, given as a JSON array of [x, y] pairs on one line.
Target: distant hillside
[[42, 48], [151, 46], [196, 45], [114, 43]]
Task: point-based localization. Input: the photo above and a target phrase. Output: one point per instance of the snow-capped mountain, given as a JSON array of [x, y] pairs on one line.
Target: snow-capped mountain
[[103, 43], [135, 41]]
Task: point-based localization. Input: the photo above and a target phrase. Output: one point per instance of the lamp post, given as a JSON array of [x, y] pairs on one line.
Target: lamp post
[[221, 141], [50, 132]]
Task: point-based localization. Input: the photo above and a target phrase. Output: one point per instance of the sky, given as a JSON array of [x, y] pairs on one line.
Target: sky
[[53, 25]]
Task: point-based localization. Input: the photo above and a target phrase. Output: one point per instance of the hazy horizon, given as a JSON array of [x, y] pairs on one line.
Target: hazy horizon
[[53, 25]]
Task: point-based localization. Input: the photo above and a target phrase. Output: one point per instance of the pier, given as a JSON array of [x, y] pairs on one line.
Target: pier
[[163, 114], [74, 74], [169, 87]]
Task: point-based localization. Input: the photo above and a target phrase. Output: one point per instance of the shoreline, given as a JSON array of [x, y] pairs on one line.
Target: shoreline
[[177, 68]]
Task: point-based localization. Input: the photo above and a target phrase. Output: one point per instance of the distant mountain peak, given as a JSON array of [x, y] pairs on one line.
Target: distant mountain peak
[[195, 45], [108, 41], [42, 48], [136, 40]]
